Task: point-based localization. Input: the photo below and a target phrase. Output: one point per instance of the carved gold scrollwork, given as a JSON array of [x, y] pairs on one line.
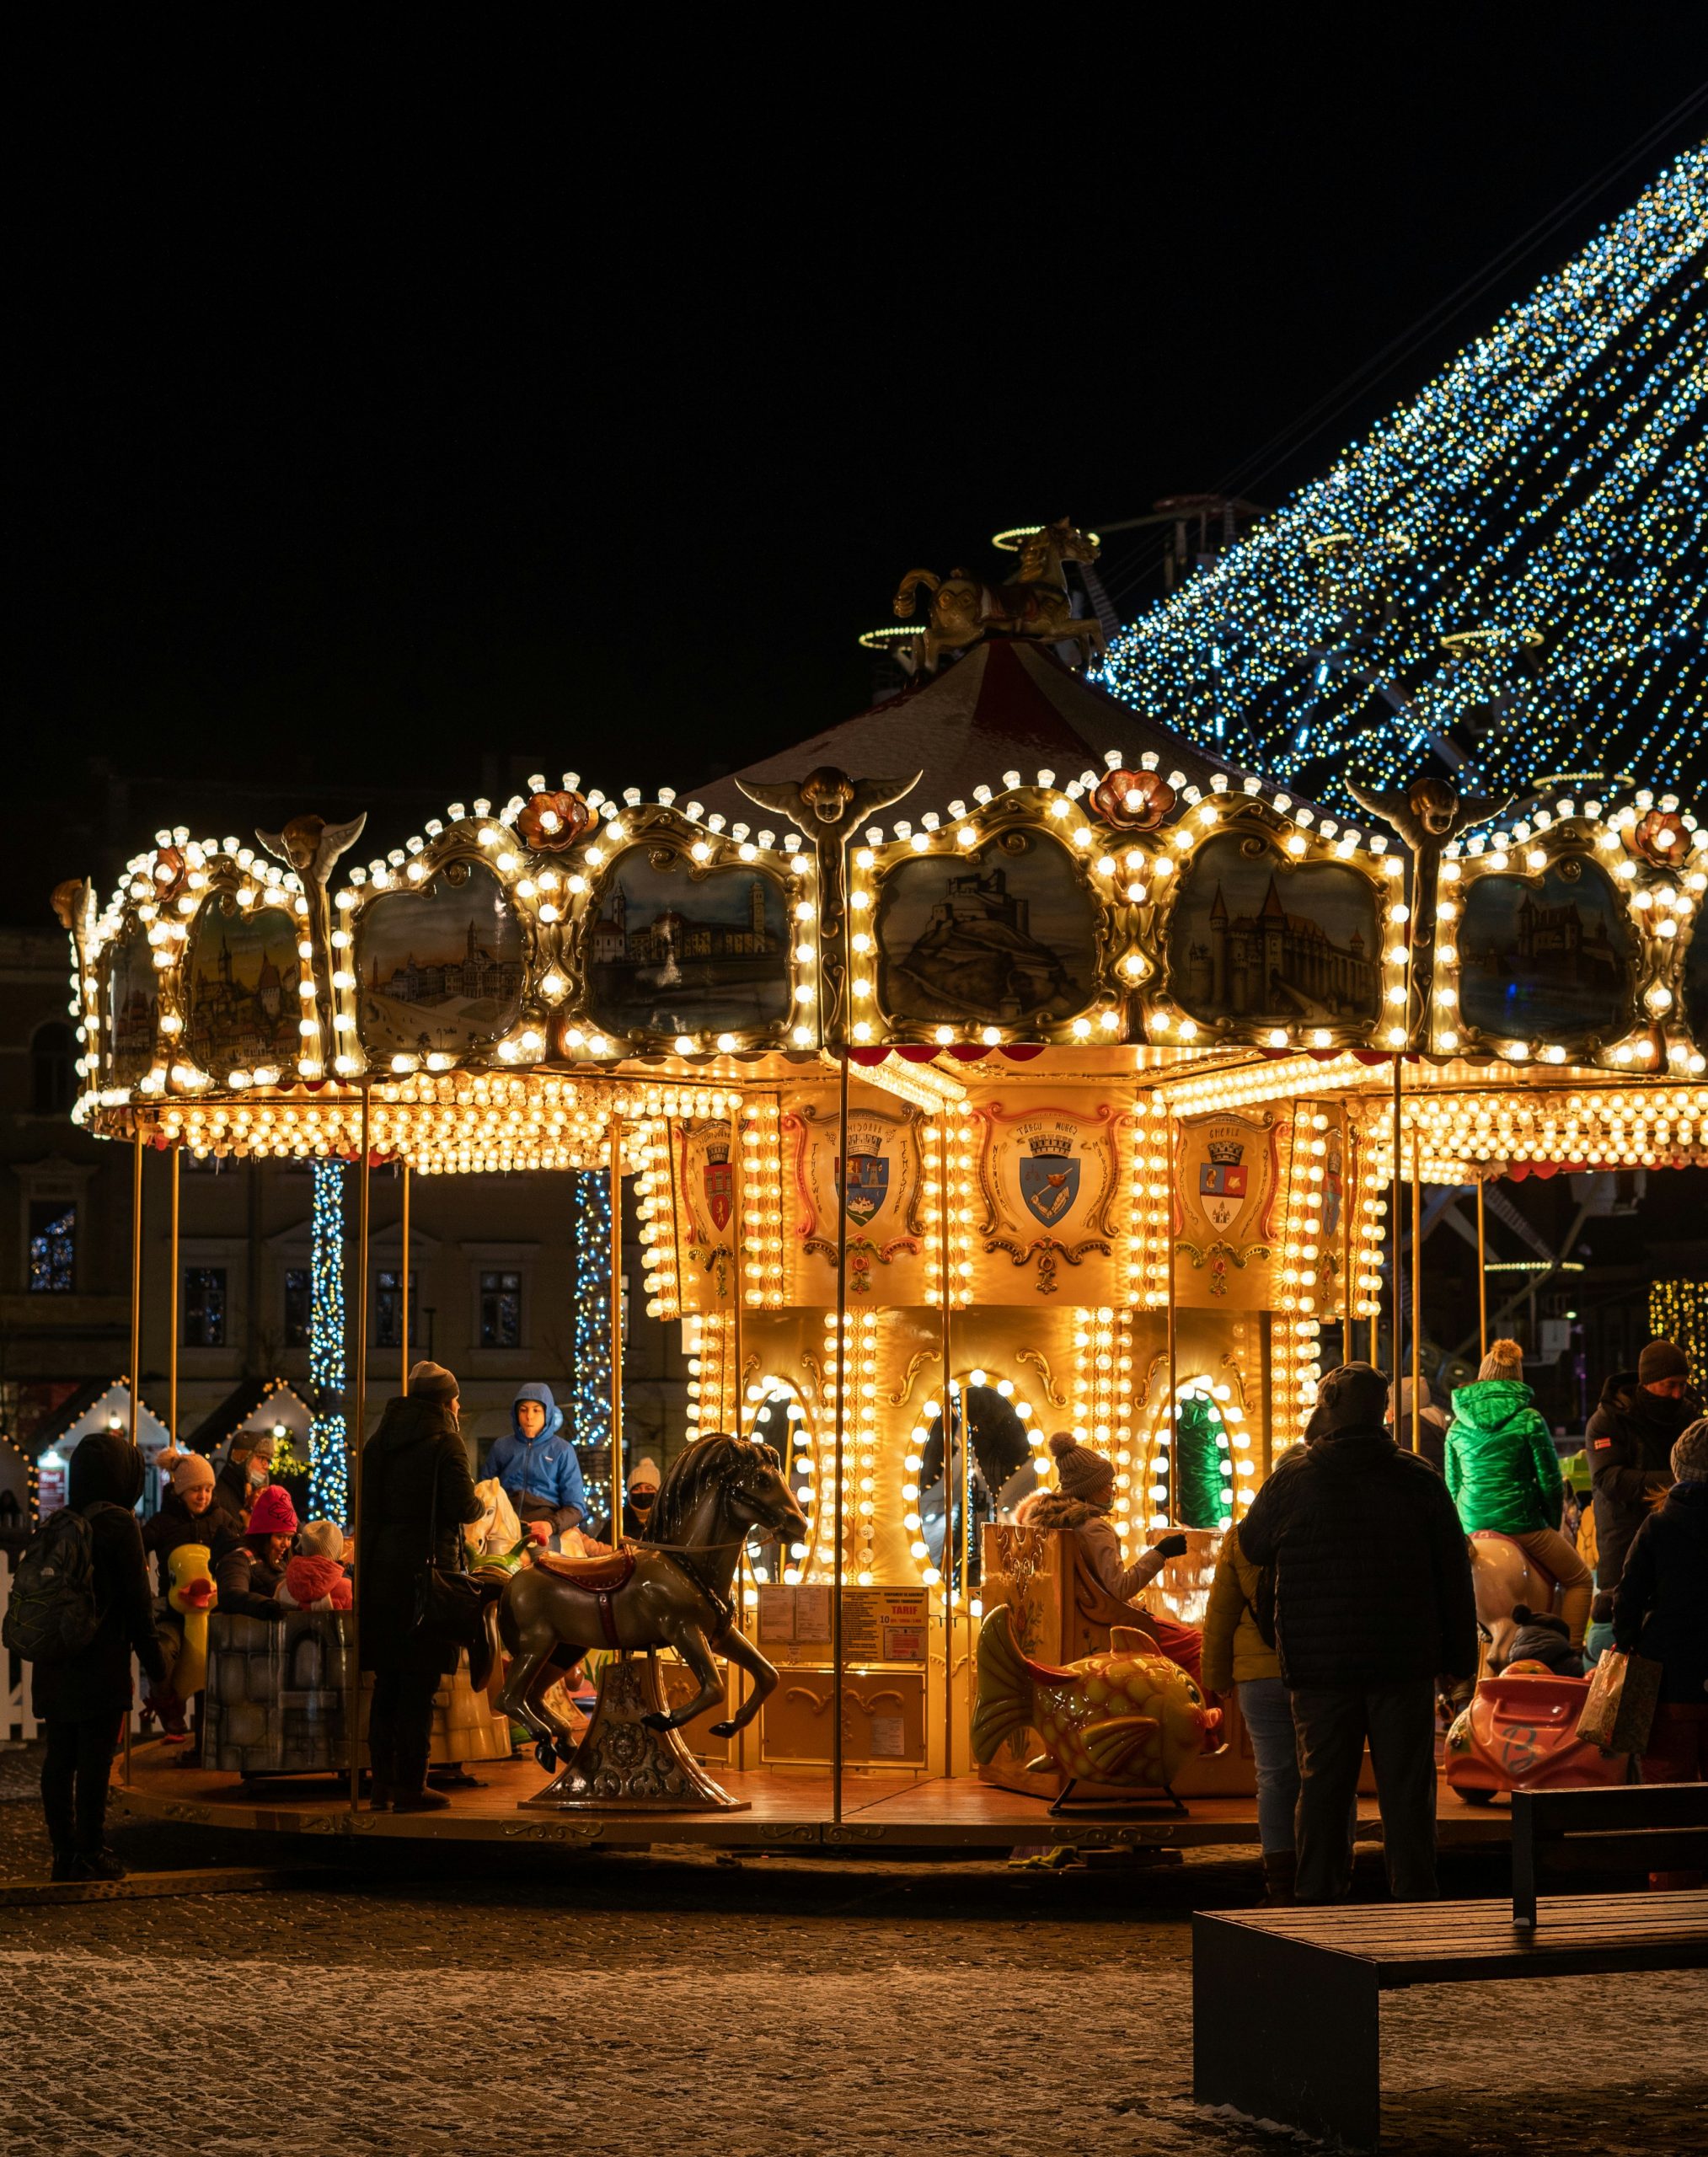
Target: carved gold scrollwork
[[1040, 1363], [916, 1363]]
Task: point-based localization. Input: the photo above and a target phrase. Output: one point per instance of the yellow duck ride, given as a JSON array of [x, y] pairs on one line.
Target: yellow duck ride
[[192, 1595]]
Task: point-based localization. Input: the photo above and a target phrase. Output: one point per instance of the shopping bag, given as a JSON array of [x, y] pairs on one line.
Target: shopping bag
[[1620, 1706]]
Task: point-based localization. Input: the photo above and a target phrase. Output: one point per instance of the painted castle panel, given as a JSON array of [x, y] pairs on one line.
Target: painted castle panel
[[133, 1007], [1002, 934], [1546, 958], [242, 976], [440, 970], [1696, 984], [1255, 939], [674, 950]]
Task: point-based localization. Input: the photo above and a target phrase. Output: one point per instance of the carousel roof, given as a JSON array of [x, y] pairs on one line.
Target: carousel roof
[[1008, 704]]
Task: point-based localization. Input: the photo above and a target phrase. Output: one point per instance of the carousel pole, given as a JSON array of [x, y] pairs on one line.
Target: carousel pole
[[172, 1307], [948, 1423], [616, 1182], [836, 1685], [738, 1185], [1349, 1185], [1395, 1185], [1174, 1338], [136, 1333], [352, 1453], [404, 1278], [1482, 1277], [1416, 1289]]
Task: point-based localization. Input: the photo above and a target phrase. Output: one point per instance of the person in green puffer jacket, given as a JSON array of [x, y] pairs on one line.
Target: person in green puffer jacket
[[1503, 1473]]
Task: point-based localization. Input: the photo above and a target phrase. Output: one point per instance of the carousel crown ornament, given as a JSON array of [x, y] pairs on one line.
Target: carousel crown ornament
[[1034, 603]]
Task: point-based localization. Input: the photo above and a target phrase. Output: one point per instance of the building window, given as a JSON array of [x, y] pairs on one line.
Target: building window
[[52, 1068], [52, 1246], [388, 1310], [500, 1310], [298, 1302], [204, 1306]]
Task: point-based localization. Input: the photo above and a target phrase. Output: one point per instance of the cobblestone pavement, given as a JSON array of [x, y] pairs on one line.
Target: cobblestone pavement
[[542, 2003]]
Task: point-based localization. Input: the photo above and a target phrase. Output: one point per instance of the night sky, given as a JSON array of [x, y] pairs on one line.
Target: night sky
[[387, 423]]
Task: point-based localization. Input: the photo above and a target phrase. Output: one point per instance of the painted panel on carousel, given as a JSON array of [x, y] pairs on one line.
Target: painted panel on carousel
[[1696, 985], [877, 1187], [1545, 958], [1226, 1188], [706, 1264], [1257, 940], [1049, 1176], [440, 970], [243, 974], [1005, 934], [676, 949], [133, 1007]]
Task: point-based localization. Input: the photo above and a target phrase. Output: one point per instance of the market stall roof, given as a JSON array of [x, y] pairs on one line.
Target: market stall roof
[[1008, 704], [281, 1399]]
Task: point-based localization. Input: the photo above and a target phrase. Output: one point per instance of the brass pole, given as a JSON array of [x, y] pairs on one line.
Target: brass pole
[[172, 1308], [1172, 1421], [738, 1181], [352, 1453], [1395, 1186], [1482, 1276], [948, 1423], [1416, 1289], [616, 1187], [836, 1687], [1349, 1248], [403, 1284], [136, 1341]]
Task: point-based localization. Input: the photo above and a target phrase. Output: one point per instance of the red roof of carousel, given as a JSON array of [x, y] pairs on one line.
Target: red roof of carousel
[[1006, 705]]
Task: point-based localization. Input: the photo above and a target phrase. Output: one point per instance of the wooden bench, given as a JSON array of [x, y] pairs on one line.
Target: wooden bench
[[1659, 1827], [1286, 2004]]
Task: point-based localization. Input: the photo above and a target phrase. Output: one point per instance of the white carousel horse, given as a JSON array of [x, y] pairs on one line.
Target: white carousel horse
[[1503, 1575]]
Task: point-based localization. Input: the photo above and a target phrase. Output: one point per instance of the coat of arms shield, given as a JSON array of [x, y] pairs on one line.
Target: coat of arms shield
[[866, 1184]]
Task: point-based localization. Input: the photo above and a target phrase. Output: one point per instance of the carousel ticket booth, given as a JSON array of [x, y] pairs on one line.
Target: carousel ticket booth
[[1078, 1103]]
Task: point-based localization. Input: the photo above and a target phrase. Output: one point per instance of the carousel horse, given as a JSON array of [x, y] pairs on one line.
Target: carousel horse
[[1034, 604], [1504, 1575], [672, 1591]]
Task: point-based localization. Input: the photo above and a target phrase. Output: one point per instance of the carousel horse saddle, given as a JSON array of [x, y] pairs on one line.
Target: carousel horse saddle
[[1500, 1535], [601, 1575]]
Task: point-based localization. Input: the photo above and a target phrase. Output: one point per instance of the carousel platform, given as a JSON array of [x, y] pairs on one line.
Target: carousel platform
[[783, 1811]]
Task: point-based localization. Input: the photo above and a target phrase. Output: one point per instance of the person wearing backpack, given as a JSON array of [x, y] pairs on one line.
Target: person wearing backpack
[[82, 1697]]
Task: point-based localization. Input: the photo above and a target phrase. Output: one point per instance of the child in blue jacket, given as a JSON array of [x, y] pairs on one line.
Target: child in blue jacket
[[536, 1464]]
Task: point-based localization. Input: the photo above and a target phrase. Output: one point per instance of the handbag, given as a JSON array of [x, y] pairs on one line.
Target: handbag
[[1620, 1706], [449, 1603]]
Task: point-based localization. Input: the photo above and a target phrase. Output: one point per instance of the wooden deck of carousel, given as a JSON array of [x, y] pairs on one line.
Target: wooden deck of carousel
[[783, 1810]]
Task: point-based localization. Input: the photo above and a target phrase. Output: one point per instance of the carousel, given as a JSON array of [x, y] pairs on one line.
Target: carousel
[[999, 1064]]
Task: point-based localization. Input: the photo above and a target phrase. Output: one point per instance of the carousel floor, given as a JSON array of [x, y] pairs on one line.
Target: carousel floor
[[783, 1810]]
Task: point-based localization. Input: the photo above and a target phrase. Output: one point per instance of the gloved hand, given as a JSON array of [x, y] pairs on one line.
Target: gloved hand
[[540, 1531], [1171, 1546]]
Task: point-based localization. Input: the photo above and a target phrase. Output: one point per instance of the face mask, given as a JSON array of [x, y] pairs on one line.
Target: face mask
[[257, 1476]]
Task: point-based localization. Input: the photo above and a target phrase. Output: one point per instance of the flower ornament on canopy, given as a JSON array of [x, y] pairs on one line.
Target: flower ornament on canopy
[[170, 873], [1134, 801], [551, 822], [1660, 837]]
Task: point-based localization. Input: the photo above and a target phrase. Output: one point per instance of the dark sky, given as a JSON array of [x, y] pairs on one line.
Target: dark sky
[[387, 419]]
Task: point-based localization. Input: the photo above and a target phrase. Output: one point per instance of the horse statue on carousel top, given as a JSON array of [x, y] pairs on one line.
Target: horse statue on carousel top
[[1033, 604], [671, 1591]]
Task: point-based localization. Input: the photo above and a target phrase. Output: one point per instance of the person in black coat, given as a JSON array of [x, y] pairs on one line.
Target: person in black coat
[[247, 1471], [1661, 1609], [1629, 1438], [1374, 1605], [416, 1492], [81, 1700]]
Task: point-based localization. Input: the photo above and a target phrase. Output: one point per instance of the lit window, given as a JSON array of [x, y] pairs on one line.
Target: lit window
[[500, 1310], [204, 1306], [52, 1246]]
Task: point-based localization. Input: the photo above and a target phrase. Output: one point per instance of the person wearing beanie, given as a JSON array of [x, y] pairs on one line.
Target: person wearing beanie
[[1373, 1610], [1660, 1610], [314, 1577], [1538, 1637], [1431, 1423], [246, 1470], [1081, 1503], [81, 1699], [417, 1496], [538, 1466], [639, 1493], [1503, 1474], [249, 1574], [1629, 1441], [185, 1514]]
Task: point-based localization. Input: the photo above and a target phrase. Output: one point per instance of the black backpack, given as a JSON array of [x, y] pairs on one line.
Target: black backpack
[[52, 1612]]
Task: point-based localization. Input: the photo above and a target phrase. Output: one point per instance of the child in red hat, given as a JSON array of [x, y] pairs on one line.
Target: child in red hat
[[252, 1572]]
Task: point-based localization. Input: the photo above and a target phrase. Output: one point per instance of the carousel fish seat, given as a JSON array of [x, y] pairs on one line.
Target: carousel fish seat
[[602, 1575]]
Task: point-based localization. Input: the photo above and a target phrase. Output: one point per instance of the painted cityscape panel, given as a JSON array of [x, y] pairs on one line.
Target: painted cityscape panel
[[133, 1007], [673, 952], [242, 976], [441, 969], [1545, 960], [1004, 934], [1696, 983], [1253, 938]]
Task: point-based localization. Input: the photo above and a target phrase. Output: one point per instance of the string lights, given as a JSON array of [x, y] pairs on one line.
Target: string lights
[[1547, 483], [1678, 1313], [328, 1466], [590, 1399]]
